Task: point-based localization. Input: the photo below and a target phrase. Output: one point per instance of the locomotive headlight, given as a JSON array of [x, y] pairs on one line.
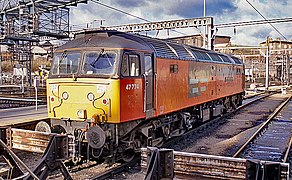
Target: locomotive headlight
[[81, 113], [65, 95], [90, 96]]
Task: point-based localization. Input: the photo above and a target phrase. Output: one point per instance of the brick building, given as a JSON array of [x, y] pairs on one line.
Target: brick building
[[197, 40]]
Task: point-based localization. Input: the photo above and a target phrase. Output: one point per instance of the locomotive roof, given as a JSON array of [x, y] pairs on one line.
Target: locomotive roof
[[162, 48]]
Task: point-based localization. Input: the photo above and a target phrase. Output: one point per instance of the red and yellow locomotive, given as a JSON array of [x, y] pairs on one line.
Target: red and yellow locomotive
[[116, 92]]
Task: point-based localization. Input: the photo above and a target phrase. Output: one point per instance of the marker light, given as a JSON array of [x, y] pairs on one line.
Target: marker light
[[90, 96], [104, 101], [65, 95], [52, 99]]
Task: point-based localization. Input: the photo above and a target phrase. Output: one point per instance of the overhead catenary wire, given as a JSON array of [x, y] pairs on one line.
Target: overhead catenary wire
[[266, 19], [121, 11], [252, 23], [129, 14], [224, 25]]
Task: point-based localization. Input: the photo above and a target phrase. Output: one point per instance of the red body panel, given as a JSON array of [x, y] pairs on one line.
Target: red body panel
[[172, 89], [132, 98], [194, 83]]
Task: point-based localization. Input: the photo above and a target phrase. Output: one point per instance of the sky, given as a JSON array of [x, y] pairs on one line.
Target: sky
[[223, 11]]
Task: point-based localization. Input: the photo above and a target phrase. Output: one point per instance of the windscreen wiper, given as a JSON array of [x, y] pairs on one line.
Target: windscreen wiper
[[99, 55], [63, 56]]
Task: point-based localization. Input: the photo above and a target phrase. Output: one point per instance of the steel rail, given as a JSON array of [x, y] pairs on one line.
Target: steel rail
[[287, 151], [263, 125], [19, 99], [109, 173]]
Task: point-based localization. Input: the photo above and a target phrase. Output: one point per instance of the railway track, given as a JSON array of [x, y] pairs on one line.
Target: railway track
[[16, 91], [39, 144], [238, 167], [272, 140], [111, 172], [95, 171], [116, 170], [9, 102], [120, 168], [12, 97], [215, 122], [183, 165]]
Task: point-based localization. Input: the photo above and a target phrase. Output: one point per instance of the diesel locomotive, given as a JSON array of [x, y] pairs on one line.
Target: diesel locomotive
[[116, 92]]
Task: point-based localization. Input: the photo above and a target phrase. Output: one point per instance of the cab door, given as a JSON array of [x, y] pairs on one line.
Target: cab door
[[148, 77], [132, 91]]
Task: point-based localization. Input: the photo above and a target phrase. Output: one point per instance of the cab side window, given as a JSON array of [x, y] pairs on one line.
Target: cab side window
[[125, 66], [148, 65], [130, 65]]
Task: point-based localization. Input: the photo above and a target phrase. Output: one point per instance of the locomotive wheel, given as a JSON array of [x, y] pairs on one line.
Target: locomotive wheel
[[166, 131], [58, 129], [128, 155], [42, 126]]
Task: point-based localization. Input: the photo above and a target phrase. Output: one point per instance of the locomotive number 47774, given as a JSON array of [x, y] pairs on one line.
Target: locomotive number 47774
[[132, 86]]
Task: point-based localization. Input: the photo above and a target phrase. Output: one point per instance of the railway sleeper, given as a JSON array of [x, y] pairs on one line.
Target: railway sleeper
[[169, 164]]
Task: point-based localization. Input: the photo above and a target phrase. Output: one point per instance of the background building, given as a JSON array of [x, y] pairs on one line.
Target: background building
[[280, 66], [254, 57], [197, 40]]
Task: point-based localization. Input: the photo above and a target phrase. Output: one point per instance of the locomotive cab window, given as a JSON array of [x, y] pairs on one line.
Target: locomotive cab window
[[148, 65], [130, 65], [99, 62], [65, 63]]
